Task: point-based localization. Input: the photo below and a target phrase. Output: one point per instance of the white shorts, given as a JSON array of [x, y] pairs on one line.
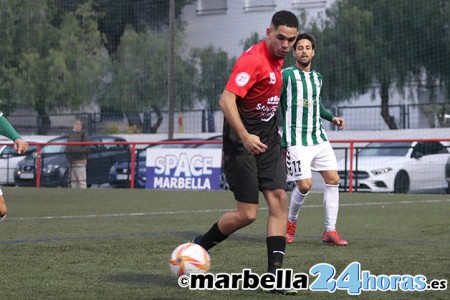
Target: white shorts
[[301, 160]]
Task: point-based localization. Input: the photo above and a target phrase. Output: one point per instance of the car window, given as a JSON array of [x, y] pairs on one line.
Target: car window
[[142, 153], [107, 147], [429, 148], [386, 149], [112, 147], [10, 151], [442, 149], [54, 148]]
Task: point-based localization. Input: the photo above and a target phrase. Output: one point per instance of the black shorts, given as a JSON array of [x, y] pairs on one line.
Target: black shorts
[[248, 174]]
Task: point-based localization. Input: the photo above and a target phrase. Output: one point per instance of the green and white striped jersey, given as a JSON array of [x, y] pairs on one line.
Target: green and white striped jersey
[[302, 109]]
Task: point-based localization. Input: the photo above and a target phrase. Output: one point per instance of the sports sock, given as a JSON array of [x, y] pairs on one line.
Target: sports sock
[[331, 204], [297, 200], [276, 246], [2, 218], [212, 237]]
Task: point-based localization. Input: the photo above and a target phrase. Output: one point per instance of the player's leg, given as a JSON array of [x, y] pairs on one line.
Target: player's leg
[[330, 199], [239, 169], [3, 208], [298, 197], [331, 204], [298, 161], [231, 221], [272, 182], [326, 163], [276, 228]]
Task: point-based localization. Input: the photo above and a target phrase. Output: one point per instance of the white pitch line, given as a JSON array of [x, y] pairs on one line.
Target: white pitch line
[[213, 210]]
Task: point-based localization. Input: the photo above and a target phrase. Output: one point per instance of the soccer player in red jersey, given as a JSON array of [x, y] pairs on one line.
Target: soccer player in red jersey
[[251, 142]]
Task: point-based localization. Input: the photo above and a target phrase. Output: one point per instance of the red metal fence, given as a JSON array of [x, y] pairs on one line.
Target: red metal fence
[[351, 149]]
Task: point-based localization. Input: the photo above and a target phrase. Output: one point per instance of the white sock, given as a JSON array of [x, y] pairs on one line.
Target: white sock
[[297, 200], [331, 204], [2, 218]]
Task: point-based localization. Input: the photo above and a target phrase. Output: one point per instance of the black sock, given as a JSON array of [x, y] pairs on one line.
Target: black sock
[[276, 246], [212, 237]]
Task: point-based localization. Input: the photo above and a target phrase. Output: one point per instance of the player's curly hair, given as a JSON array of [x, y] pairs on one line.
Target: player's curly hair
[[305, 36]]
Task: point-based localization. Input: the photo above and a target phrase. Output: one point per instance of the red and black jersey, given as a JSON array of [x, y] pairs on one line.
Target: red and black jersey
[[256, 80]]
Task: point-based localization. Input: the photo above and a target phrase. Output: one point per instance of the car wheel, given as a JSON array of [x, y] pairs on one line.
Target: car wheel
[[401, 183], [66, 179], [448, 189]]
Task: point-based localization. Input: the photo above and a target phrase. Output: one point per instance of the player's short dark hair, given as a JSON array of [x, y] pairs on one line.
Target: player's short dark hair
[[286, 18], [305, 36]]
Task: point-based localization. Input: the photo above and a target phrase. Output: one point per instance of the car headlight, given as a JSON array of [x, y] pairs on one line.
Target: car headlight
[[51, 168], [381, 171]]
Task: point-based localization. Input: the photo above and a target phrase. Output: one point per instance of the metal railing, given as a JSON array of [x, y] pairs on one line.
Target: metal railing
[[346, 151]]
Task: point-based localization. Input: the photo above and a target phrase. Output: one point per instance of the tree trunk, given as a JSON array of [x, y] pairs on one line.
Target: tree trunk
[[154, 127], [43, 121], [44, 124], [134, 119], [388, 119]]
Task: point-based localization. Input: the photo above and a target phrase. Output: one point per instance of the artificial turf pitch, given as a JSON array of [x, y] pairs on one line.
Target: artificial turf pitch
[[115, 244]]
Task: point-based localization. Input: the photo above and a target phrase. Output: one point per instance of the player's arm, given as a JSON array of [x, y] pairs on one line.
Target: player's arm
[[325, 114], [8, 131], [283, 94], [228, 105]]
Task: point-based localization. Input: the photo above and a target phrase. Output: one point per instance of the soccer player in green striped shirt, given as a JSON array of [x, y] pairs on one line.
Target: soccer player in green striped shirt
[[20, 145], [305, 140]]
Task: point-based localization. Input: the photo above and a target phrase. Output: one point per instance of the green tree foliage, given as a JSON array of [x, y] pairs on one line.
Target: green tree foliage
[[138, 72], [378, 45], [214, 69], [114, 16], [117, 15], [58, 67], [8, 61], [139, 75], [54, 56], [250, 41]]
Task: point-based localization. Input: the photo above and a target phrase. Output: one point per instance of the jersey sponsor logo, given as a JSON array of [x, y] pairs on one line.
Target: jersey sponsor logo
[[273, 100], [306, 102], [242, 79], [268, 110], [272, 78]]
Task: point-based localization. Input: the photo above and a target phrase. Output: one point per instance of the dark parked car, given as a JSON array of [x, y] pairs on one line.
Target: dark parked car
[[55, 167], [9, 158], [120, 172]]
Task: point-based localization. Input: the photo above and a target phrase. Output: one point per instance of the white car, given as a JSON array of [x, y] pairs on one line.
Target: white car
[[397, 167], [9, 160]]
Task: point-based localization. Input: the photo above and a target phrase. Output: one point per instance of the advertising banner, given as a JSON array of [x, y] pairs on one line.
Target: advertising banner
[[183, 169]]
